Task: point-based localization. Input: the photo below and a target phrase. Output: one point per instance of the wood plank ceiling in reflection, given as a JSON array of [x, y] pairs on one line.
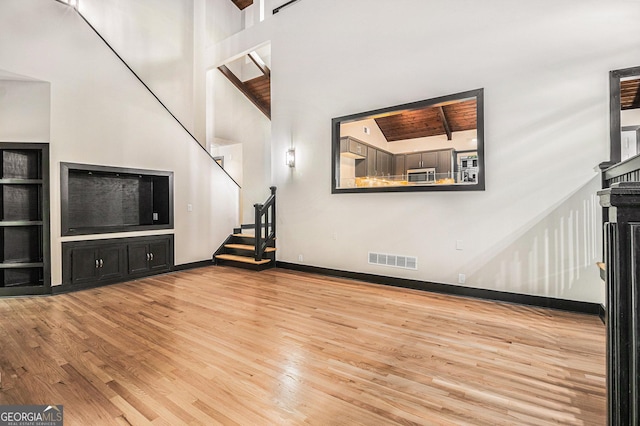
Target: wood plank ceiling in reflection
[[432, 121], [630, 94]]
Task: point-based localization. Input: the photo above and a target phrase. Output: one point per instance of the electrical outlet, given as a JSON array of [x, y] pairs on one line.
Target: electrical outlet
[[334, 236], [461, 278], [189, 207], [458, 244], [300, 258], [155, 216]]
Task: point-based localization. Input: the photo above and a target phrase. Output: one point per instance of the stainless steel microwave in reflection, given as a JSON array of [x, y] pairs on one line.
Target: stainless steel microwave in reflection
[[426, 175]]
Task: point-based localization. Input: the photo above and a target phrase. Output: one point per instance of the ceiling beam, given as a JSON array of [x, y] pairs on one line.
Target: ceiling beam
[[256, 59], [243, 88], [445, 123]]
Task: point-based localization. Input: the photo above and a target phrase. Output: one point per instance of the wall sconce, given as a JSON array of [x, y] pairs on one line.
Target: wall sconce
[[291, 157]]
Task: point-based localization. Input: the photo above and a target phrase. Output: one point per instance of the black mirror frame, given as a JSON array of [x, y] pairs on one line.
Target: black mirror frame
[[335, 145]]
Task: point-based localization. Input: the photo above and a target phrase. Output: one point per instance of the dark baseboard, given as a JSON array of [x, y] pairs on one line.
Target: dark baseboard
[[602, 314], [478, 293], [66, 288], [193, 265]]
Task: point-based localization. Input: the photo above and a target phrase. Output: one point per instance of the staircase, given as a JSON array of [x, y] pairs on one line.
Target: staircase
[[239, 250], [255, 251]]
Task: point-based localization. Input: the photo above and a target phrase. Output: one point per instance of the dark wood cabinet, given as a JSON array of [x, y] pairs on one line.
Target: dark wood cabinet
[[430, 159], [399, 168], [371, 161], [97, 263], [377, 163], [383, 163], [422, 160], [24, 219], [352, 147], [149, 256], [87, 263], [444, 167]]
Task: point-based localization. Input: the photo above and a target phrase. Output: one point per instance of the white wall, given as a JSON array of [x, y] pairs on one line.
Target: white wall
[[223, 20], [230, 115], [630, 117], [544, 67], [156, 39], [24, 111], [100, 114], [237, 119]]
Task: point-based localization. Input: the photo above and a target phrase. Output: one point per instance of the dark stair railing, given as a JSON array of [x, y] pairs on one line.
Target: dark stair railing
[[265, 222], [620, 200]]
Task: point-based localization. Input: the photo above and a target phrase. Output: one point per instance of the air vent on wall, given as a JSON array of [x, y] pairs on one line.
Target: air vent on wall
[[395, 260]]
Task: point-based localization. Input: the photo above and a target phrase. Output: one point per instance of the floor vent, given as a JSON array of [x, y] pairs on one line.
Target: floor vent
[[395, 260]]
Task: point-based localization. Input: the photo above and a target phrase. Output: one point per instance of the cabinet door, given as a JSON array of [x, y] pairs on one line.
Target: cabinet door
[[361, 168], [357, 148], [444, 163], [160, 257], [111, 262], [413, 161], [430, 159], [83, 265], [371, 161], [398, 165], [383, 163], [137, 256]]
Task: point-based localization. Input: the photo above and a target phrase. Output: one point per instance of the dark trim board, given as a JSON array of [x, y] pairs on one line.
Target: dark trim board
[[602, 314], [478, 293], [193, 265], [60, 289]]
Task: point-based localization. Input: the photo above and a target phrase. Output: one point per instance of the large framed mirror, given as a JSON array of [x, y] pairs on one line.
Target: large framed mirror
[[431, 145]]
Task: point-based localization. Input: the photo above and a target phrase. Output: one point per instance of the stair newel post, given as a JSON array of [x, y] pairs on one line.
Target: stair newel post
[[622, 249], [258, 231], [273, 211]]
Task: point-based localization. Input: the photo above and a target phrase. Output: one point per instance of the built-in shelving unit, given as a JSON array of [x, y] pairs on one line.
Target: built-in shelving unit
[[24, 219]]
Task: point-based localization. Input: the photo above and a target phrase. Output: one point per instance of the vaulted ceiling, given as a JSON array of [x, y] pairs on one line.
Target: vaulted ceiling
[[242, 3], [630, 94], [435, 120], [257, 89]]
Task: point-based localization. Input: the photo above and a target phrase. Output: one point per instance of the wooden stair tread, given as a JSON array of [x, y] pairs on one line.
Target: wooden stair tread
[[244, 235], [242, 259], [249, 247], [603, 271]]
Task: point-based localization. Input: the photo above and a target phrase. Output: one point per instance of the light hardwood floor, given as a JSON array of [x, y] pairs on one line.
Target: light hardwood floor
[[219, 345]]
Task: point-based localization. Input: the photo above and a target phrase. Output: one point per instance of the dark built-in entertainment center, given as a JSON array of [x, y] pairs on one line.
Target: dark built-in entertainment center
[[98, 199]]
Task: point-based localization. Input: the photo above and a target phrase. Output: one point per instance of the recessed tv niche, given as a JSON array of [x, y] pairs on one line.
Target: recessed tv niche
[[101, 199]]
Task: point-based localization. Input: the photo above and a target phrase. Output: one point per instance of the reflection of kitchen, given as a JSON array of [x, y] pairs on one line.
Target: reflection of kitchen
[[368, 160]]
